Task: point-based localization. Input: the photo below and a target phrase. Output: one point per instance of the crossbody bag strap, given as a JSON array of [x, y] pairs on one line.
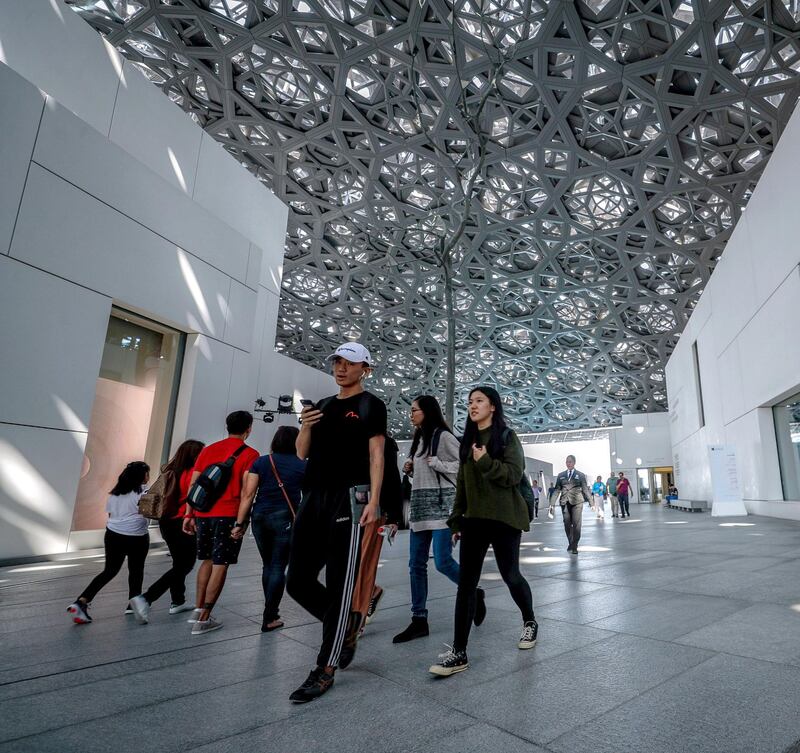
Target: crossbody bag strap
[[281, 486]]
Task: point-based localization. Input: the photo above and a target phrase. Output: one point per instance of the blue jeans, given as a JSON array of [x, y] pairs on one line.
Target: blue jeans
[[272, 530], [418, 564]]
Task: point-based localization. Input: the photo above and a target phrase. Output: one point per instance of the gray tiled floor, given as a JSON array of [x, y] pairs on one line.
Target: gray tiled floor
[[658, 637]]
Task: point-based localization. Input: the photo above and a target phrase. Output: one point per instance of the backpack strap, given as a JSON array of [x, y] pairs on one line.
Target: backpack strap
[[238, 452], [281, 486]]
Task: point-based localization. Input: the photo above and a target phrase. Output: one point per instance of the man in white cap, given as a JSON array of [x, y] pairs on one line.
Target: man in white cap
[[343, 439]]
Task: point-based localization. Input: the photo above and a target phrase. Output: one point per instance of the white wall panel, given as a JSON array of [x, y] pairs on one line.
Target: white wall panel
[[39, 474], [770, 345], [76, 152], [161, 137], [19, 121], [245, 204], [52, 341], [66, 231], [205, 394], [240, 316], [254, 262], [730, 379], [756, 455], [56, 50]]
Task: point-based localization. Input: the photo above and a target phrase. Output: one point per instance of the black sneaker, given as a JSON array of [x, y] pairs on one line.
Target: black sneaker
[[317, 683], [417, 629], [373, 606], [480, 607], [529, 633], [348, 652], [449, 663]]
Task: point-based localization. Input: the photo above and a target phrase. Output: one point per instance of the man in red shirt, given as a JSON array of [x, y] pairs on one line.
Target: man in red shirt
[[623, 490], [216, 549]]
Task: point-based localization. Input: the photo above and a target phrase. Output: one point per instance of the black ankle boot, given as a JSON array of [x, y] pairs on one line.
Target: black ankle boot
[[417, 629], [480, 607]]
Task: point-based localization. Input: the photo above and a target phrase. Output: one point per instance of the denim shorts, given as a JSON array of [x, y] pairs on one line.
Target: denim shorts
[[214, 541]]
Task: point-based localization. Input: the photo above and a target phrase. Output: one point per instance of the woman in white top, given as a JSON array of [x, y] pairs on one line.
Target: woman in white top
[[433, 461], [126, 536]]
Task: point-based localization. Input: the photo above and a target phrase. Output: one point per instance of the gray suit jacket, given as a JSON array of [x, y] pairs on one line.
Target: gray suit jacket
[[571, 488]]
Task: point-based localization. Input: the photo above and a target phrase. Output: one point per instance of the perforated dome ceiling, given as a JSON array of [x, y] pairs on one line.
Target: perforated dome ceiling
[[624, 143]]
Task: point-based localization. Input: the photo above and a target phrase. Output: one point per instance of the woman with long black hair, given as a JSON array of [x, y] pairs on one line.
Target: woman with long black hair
[[126, 536], [433, 463], [182, 546], [488, 510]]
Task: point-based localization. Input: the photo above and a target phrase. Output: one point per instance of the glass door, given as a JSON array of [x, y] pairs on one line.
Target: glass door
[[133, 409]]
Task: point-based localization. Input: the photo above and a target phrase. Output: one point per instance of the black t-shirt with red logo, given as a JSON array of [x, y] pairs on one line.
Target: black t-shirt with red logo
[[339, 453]]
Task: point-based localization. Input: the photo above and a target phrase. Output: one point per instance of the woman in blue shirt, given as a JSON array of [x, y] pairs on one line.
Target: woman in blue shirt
[[599, 494], [274, 481]]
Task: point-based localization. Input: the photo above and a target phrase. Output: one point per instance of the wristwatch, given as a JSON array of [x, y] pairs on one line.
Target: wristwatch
[[237, 524]]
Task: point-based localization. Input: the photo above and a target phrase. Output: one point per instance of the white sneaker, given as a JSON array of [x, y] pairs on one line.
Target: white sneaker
[[79, 613], [205, 626], [195, 616], [141, 609], [178, 608]]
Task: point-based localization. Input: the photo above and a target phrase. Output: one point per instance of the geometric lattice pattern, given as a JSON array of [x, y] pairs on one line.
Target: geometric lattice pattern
[[625, 137]]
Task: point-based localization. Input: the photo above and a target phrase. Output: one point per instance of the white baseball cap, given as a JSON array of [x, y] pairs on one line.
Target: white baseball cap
[[353, 352]]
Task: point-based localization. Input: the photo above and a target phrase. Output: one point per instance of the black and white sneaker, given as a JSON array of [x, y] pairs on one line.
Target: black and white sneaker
[[529, 633], [79, 613], [373, 606], [449, 663]]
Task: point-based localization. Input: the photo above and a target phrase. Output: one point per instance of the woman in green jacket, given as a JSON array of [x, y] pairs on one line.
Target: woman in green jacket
[[488, 510]]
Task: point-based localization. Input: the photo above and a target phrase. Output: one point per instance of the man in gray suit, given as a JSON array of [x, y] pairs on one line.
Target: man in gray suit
[[571, 491]]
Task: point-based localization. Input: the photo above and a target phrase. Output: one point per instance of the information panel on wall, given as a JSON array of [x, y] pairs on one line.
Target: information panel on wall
[[726, 492]]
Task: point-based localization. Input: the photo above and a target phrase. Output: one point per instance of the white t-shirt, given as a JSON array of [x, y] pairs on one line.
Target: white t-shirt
[[123, 515]]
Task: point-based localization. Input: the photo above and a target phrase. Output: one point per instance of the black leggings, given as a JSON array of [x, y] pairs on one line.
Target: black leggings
[[118, 547], [476, 536], [183, 550]]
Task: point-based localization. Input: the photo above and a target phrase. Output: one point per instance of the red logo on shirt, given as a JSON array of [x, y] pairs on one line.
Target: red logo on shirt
[[351, 414]]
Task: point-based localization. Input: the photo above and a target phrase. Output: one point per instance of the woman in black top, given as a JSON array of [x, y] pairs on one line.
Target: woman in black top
[[273, 515]]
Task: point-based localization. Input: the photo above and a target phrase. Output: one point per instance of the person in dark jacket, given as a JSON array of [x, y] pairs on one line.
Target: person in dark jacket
[[489, 510], [272, 490]]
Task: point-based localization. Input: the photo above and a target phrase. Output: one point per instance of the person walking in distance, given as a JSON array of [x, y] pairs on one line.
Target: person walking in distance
[[217, 550], [611, 488], [274, 481], [433, 465], [536, 494], [343, 439], [571, 491], [599, 495], [623, 493], [489, 510], [126, 536], [182, 546]]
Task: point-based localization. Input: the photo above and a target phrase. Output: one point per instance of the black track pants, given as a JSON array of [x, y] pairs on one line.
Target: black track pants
[[325, 535]]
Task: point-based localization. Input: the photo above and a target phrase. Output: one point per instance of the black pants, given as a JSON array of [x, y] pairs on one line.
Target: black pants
[[118, 547], [573, 515], [624, 504], [183, 550], [325, 535], [476, 536]]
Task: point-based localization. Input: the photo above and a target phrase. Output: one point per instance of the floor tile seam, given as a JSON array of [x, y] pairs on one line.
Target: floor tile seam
[[749, 605], [624, 702], [120, 661], [142, 708]]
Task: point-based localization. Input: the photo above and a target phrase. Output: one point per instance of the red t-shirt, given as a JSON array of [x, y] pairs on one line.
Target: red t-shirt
[[227, 506], [623, 486], [183, 485]]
